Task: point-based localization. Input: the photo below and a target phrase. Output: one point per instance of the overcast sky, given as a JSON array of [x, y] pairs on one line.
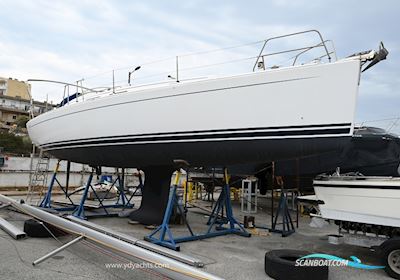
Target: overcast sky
[[70, 40]]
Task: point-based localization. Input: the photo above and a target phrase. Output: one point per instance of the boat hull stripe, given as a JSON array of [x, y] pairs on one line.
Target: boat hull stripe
[[358, 186], [341, 125], [220, 137]]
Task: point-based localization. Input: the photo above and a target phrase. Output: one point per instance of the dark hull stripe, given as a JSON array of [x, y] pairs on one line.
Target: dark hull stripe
[[202, 131], [358, 187], [225, 136], [243, 152]]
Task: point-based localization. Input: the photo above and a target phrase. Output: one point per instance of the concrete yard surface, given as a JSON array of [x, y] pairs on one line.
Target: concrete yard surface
[[230, 256]]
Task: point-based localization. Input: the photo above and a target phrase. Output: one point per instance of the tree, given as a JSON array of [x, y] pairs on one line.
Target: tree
[[15, 144], [21, 121]]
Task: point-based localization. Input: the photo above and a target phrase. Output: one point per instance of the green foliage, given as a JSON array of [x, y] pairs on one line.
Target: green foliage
[[13, 144], [21, 121]]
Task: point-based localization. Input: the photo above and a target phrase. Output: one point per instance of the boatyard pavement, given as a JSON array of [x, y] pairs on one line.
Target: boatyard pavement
[[230, 257]]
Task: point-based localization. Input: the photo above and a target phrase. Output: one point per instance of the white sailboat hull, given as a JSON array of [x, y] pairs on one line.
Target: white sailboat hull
[[230, 120]]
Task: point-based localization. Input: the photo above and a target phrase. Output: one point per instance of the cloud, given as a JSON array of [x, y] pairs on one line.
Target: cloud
[[73, 39]]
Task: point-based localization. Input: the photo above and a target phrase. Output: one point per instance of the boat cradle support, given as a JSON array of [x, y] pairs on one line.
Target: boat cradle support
[[215, 222], [79, 210]]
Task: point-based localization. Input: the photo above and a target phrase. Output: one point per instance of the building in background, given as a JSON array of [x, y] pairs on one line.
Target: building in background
[[14, 88], [15, 102]]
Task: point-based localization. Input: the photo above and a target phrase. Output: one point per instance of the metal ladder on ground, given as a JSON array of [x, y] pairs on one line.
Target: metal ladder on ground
[[38, 180]]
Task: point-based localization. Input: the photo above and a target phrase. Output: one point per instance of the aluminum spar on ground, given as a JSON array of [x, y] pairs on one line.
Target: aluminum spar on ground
[[141, 243], [166, 266], [14, 232]]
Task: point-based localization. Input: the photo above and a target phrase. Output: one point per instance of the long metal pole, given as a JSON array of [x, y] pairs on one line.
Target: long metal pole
[[166, 266], [113, 81], [141, 243], [13, 231], [67, 177], [56, 251], [177, 70], [31, 116], [31, 173], [272, 194]]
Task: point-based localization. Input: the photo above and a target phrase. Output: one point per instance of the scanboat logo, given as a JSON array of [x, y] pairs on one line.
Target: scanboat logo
[[331, 260]]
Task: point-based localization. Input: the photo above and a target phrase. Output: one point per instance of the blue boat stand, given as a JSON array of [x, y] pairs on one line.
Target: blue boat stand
[[79, 210], [283, 211], [215, 222], [46, 202], [287, 224], [139, 187]]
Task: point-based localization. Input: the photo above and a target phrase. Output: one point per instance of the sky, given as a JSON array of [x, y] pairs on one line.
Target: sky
[[70, 40]]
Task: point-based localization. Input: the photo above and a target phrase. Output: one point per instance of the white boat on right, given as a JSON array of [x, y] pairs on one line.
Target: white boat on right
[[361, 199]]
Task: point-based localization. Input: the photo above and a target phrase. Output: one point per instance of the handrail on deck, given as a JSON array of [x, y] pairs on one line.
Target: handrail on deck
[[316, 46], [294, 34], [66, 100], [81, 90], [62, 83]]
